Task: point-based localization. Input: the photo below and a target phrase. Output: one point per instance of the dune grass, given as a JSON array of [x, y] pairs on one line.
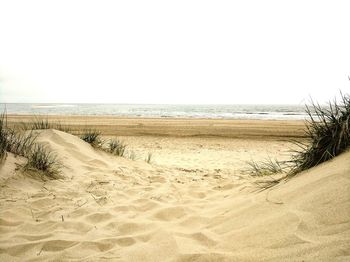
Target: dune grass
[[266, 168], [20, 144], [15, 142], [113, 146], [3, 137], [44, 161], [23, 144], [41, 123], [93, 137], [21, 141], [328, 132], [130, 154], [116, 147], [328, 135]]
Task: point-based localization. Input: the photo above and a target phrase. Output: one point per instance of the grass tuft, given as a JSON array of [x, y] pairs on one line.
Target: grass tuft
[[3, 137], [20, 144], [23, 144], [116, 147], [131, 155], [44, 161], [328, 131], [40, 123], [36, 123], [14, 142], [93, 137], [266, 168]]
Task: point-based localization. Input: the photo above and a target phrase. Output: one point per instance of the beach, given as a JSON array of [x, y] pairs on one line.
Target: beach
[[192, 201], [176, 127], [174, 131], [191, 143]]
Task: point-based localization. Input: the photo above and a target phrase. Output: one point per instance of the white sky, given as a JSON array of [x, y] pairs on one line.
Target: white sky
[[174, 51]]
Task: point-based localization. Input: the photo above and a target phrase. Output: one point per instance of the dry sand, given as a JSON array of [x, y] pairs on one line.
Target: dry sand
[[192, 203]]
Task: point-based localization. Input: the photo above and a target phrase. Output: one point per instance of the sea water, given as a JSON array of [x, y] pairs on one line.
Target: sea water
[[161, 111]]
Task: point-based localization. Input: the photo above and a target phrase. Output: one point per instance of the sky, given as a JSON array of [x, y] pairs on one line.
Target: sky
[[182, 52]]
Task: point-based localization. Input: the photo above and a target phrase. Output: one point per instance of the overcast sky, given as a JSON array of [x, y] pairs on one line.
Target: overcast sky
[[174, 51]]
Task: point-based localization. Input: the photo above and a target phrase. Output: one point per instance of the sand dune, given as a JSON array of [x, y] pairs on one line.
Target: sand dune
[[113, 208]]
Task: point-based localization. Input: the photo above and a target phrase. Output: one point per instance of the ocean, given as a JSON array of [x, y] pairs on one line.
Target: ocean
[[162, 111]]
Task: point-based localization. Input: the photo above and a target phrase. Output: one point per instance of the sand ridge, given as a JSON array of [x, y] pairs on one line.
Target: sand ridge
[[113, 208]]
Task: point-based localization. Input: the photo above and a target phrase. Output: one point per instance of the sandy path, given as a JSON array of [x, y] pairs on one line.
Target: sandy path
[[206, 153]]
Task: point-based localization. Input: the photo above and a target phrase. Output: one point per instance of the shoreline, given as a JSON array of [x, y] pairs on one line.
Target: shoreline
[[176, 127], [173, 111]]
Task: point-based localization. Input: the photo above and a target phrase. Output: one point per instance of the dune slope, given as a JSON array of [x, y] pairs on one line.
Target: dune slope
[[113, 208]]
